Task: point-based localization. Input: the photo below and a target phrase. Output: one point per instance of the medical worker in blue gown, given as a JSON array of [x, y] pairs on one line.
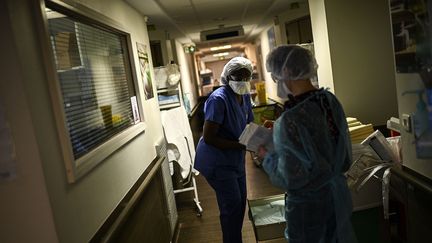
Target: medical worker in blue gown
[[219, 155], [312, 152]]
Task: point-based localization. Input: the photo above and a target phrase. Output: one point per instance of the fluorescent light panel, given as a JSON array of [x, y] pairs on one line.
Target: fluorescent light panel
[[221, 54], [216, 48]]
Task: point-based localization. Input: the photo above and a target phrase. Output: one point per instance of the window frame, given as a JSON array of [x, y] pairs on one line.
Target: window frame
[[77, 168]]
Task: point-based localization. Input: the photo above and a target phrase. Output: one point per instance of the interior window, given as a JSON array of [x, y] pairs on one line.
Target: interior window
[[95, 80]]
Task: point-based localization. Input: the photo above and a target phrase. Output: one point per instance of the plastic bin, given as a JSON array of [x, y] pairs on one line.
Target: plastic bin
[[266, 231]]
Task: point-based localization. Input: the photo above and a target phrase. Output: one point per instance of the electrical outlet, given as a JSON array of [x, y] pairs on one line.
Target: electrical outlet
[[406, 122]]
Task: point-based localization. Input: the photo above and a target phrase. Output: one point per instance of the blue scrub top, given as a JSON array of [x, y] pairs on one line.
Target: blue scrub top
[[222, 108]]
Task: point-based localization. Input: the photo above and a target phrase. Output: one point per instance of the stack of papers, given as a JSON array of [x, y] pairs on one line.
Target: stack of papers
[[255, 135], [358, 131]]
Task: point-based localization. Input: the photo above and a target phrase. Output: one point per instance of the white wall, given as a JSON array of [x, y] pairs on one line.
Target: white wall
[[361, 56], [25, 208], [321, 44], [80, 208]]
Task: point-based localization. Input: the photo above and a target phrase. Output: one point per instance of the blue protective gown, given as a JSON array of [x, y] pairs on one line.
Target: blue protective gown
[[224, 170], [312, 151]]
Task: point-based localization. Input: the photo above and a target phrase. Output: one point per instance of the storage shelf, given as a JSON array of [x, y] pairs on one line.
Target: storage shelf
[[177, 104], [167, 90], [169, 97]]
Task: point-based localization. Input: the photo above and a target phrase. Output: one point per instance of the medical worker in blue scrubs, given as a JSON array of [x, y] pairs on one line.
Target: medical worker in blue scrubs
[[219, 156], [312, 150]]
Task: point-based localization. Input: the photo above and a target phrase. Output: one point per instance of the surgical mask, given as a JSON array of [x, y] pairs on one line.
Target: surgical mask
[[240, 87], [282, 90]]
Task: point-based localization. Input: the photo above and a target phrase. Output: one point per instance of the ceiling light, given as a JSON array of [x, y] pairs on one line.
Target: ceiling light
[[216, 48], [221, 54]]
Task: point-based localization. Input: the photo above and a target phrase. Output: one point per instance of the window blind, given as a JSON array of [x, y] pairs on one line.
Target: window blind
[[95, 81]]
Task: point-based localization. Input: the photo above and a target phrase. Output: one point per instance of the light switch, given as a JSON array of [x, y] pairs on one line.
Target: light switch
[[406, 122]]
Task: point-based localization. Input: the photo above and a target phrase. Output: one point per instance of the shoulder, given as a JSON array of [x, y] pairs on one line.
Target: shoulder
[[328, 94], [219, 94], [333, 100], [218, 99]]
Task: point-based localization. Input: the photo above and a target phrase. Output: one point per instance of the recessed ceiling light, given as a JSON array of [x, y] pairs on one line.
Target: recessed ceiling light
[[221, 54], [216, 48]]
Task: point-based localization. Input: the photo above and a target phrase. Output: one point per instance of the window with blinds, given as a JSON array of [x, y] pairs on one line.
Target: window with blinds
[[94, 78]]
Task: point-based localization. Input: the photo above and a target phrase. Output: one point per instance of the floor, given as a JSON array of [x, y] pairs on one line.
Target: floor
[[193, 229]]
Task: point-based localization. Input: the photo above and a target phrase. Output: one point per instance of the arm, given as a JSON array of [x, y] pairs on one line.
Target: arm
[[210, 137], [250, 112], [287, 166]]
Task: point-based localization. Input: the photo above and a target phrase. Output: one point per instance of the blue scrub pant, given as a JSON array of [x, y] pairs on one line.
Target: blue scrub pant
[[231, 198]]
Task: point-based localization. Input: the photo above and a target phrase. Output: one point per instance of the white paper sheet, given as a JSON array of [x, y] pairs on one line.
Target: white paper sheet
[[255, 135]]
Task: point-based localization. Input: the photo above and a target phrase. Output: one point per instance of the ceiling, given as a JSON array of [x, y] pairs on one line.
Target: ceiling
[[184, 19]]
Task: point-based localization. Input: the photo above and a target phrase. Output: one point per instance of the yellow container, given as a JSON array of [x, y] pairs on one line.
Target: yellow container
[[261, 92]]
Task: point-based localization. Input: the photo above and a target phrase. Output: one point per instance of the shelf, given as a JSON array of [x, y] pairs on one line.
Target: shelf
[[167, 90], [169, 106]]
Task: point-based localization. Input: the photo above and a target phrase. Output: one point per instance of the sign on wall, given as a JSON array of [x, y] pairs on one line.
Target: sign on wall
[[145, 70]]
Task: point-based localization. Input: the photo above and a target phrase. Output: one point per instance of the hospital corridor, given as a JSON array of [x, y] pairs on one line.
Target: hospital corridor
[[219, 121]]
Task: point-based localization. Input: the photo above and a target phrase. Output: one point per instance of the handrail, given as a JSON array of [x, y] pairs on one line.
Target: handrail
[[195, 108], [126, 205]]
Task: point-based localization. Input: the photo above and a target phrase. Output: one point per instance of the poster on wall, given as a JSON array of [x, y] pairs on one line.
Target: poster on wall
[[145, 70]]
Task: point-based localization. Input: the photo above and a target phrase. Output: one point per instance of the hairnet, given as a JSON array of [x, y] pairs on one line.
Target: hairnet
[[233, 65], [291, 62]]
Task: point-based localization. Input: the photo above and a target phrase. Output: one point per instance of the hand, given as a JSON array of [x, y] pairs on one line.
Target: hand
[[268, 124], [261, 153]]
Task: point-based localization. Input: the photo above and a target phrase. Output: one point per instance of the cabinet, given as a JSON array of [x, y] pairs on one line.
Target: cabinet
[[168, 84], [410, 211], [299, 31]]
